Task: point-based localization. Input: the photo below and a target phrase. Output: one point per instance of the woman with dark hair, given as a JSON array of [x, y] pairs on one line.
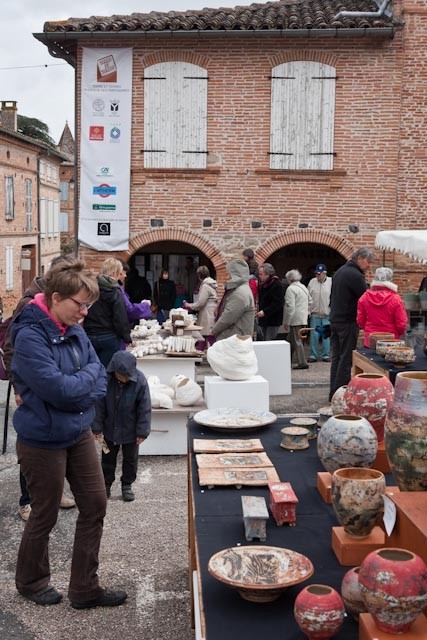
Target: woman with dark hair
[[206, 305], [164, 293], [59, 379]]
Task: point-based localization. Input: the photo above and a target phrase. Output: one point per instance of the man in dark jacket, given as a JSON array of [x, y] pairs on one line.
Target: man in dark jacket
[[348, 284], [123, 418], [270, 314]]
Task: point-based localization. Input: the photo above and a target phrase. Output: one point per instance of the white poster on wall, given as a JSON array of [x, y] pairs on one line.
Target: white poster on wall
[[106, 104]]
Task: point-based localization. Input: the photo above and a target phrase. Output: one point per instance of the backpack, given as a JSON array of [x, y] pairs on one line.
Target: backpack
[[4, 328]]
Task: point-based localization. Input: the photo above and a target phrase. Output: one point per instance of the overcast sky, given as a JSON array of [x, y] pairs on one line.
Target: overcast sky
[[47, 93]]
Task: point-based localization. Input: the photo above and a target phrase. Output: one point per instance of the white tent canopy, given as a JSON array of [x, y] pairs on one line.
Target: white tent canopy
[[411, 242]]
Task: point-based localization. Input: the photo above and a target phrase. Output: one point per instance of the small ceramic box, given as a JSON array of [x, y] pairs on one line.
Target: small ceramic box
[[255, 516], [283, 503]]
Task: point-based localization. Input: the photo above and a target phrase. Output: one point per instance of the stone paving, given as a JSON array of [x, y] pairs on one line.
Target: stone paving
[[144, 546]]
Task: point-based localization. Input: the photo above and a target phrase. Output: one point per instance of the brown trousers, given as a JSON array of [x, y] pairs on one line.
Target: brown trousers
[[44, 471]]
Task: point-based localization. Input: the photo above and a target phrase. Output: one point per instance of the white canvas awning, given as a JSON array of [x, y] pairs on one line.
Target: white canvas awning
[[411, 242]]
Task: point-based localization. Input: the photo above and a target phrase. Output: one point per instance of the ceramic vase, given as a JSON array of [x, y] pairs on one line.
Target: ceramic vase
[[393, 584], [346, 441], [406, 431], [357, 499], [338, 404], [370, 395], [350, 593], [319, 611]]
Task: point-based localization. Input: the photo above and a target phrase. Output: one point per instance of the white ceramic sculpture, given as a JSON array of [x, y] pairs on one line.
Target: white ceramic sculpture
[[233, 358], [188, 392], [175, 380]]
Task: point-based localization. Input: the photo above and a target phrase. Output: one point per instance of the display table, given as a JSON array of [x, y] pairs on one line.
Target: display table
[[216, 522], [164, 367], [367, 361], [274, 364]]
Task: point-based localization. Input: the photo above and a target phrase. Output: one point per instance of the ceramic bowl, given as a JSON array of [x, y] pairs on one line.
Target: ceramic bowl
[[260, 573], [374, 337], [324, 414], [400, 356], [383, 345]]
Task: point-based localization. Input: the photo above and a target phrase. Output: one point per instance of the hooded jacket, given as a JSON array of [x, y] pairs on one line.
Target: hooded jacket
[[236, 311], [381, 309], [108, 316], [206, 305], [124, 414], [271, 300], [59, 378]]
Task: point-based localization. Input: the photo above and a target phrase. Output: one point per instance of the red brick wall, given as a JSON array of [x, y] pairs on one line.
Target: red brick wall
[[380, 112]]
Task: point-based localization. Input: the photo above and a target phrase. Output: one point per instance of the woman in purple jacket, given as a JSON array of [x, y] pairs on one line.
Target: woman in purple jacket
[[59, 379]]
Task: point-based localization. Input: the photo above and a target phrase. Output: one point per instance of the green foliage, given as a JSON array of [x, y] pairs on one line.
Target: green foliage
[[34, 128]]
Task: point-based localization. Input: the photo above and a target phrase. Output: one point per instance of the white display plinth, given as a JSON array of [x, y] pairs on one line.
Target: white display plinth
[[237, 394], [274, 364], [168, 435], [164, 367]]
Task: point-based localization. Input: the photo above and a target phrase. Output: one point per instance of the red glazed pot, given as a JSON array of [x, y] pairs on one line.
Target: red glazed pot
[[350, 593], [393, 584], [370, 395], [319, 611]]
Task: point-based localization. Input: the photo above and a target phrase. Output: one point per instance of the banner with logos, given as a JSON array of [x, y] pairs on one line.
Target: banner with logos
[[106, 104]]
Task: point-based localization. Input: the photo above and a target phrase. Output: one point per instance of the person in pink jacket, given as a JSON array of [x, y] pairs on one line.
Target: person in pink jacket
[[381, 308]]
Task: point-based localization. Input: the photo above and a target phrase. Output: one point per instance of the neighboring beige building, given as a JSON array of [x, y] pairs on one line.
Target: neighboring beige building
[[29, 213], [66, 183]]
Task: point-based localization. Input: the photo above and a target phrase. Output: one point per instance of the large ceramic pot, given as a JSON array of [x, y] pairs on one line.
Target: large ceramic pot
[[319, 611], [370, 395], [346, 441], [406, 431], [393, 584], [357, 499], [338, 404], [350, 593]]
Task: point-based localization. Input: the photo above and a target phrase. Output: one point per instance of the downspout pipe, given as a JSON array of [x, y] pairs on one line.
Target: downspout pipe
[[364, 14], [76, 173], [39, 240]]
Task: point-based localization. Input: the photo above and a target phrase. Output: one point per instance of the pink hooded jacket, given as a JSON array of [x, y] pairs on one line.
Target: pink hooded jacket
[[381, 309]]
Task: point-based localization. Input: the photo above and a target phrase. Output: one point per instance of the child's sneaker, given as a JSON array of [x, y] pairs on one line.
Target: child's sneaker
[[108, 490], [127, 493], [24, 512]]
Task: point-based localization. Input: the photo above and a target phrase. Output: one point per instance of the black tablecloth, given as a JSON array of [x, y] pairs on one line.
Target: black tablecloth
[[219, 524], [419, 364]]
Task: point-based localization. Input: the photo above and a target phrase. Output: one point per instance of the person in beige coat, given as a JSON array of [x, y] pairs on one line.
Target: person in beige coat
[[295, 316], [236, 311], [206, 304]]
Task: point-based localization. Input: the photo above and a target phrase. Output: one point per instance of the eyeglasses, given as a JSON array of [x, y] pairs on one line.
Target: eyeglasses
[[82, 305]]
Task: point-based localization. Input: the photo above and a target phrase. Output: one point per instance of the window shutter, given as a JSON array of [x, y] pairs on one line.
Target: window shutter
[[50, 216], [175, 115], [9, 197], [302, 115], [55, 218], [63, 224], [64, 190], [9, 268], [43, 218]]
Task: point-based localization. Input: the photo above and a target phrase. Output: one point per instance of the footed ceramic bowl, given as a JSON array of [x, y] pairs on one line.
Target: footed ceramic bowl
[[260, 573], [400, 356], [383, 345]]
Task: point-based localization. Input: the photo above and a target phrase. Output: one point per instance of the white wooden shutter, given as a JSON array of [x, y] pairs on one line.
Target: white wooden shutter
[[9, 268], [63, 226], [175, 115], [55, 218], [302, 115], [50, 216], [43, 217]]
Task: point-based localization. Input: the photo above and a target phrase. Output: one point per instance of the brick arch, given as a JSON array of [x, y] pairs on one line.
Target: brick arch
[[300, 54], [344, 247], [149, 59], [180, 235]]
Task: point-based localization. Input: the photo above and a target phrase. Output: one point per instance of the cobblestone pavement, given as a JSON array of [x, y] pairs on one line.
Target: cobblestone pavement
[[144, 546]]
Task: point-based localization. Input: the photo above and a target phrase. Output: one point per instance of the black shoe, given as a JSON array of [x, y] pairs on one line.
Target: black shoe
[[301, 366], [47, 596], [108, 490], [107, 598], [326, 359], [311, 359], [127, 493]]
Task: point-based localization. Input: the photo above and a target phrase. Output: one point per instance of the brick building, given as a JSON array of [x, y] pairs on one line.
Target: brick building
[[303, 134], [66, 184], [29, 218]]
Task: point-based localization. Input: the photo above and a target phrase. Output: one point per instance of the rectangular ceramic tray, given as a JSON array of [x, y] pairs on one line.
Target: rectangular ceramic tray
[[255, 477], [232, 460], [229, 446]]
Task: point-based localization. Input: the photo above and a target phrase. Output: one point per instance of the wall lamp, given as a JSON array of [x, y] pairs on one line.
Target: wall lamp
[[353, 228]]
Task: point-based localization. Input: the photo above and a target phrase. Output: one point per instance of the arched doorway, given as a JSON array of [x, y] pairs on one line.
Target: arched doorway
[[179, 258], [304, 256]]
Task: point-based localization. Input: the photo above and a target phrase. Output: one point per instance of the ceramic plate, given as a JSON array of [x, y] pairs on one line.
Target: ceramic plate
[[227, 419], [260, 573]]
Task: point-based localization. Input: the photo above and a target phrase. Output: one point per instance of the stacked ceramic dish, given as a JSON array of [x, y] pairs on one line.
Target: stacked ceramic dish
[[383, 345]]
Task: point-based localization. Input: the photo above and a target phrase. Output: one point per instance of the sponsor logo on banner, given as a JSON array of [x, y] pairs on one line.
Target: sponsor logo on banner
[[98, 105], [104, 207], [104, 228], [104, 172], [104, 191], [114, 106], [96, 133], [115, 134], [106, 69]]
